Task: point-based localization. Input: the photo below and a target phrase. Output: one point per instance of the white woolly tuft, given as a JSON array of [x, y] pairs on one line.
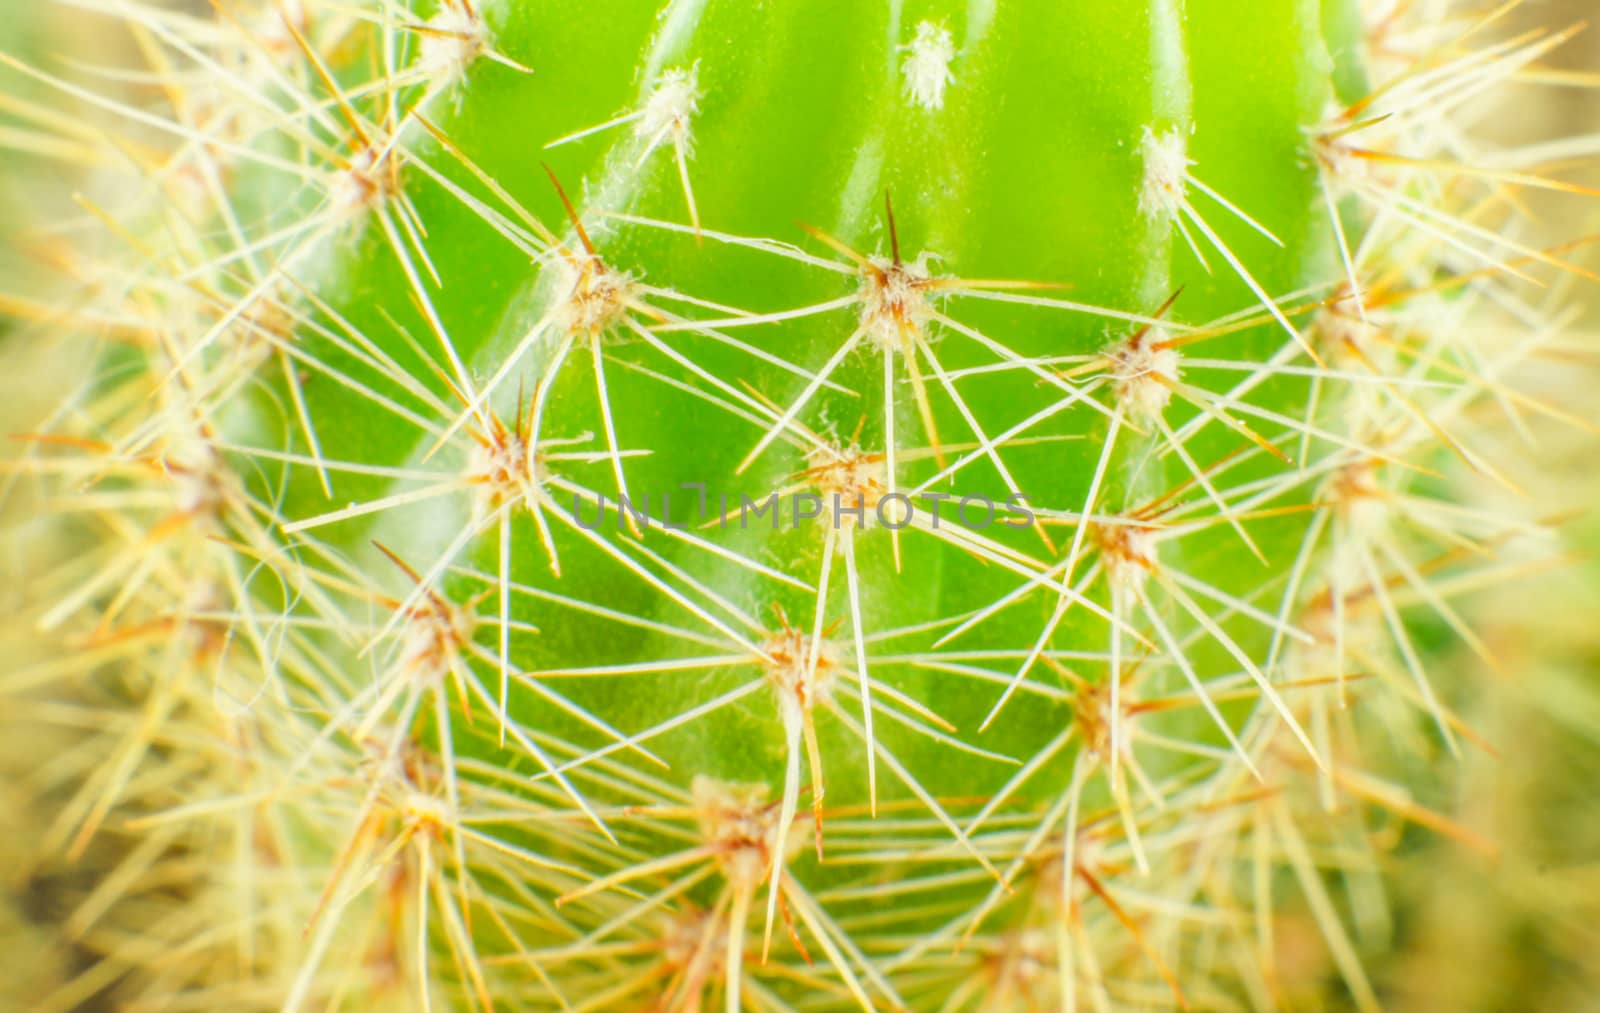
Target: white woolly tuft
[[454, 38], [1166, 164], [893, 306], [275, 27], [1130, 554], [364, 185], [1143, 373], [927, 68], [671, 106]]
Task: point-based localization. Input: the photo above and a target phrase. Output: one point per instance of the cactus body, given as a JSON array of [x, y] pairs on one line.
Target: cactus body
[[533, 581]]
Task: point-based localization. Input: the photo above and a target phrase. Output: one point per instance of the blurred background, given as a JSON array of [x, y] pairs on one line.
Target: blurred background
[[1522, 932], [1518, 931]]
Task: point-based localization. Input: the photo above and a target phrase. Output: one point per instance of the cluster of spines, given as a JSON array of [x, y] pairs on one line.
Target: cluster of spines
[[317, 708]]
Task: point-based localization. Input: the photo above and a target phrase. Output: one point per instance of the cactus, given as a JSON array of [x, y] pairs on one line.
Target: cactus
[[904, 506]]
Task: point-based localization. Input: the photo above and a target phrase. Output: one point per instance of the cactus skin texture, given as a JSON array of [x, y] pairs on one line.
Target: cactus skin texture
[[372, 697]]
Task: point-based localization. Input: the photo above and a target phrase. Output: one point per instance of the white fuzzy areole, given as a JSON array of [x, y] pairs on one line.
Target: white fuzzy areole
[[276, 26], [361, 187], [671, 106], [927, 69], [1130, 554], [1361, 504], [851, 476], [1166, 166], [893, 306], [454, 38], [800, 687], [1334, 149], [197, 475], [430, 641], [1143, 372], [1360, 499], [501, 469], [597, 296], [1347, 336], [740, 828]]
